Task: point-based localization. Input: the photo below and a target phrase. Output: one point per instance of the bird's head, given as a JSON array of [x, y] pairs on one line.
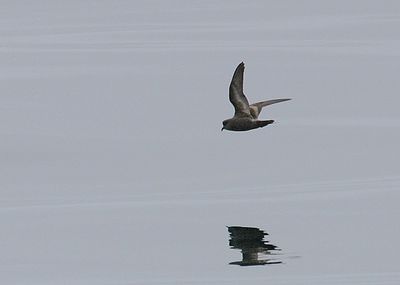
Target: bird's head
[[224, 123]]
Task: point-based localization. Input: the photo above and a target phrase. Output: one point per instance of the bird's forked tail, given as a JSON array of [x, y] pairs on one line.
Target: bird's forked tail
[[261, 124]]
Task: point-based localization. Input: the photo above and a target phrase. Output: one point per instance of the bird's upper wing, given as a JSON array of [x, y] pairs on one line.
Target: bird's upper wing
[[236, 95], [255, 108]]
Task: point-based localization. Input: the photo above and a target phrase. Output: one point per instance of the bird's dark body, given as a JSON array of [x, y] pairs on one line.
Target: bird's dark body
[[245, 124]]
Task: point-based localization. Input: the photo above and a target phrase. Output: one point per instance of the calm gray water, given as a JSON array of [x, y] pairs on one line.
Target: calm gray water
[[114, 169]]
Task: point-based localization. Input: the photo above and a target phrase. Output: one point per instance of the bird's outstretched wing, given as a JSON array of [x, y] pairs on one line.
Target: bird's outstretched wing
[[255, 108], [236, 95]]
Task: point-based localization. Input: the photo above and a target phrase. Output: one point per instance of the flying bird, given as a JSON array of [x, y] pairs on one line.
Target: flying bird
[[246, 115]]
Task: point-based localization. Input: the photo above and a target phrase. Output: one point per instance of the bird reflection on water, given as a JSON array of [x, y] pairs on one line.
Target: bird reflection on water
[[255, 250]]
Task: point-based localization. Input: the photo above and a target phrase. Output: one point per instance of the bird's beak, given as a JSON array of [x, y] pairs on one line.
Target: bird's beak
[[223, 128]]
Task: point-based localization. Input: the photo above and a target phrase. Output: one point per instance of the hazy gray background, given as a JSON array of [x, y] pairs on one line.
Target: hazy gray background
[[113, 168]]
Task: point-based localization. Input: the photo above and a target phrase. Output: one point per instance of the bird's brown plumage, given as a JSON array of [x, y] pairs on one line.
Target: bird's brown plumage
[[246, 115]]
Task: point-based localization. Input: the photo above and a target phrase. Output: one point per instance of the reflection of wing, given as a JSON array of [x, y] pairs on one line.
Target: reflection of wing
[[236, 95], [255, 108]]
